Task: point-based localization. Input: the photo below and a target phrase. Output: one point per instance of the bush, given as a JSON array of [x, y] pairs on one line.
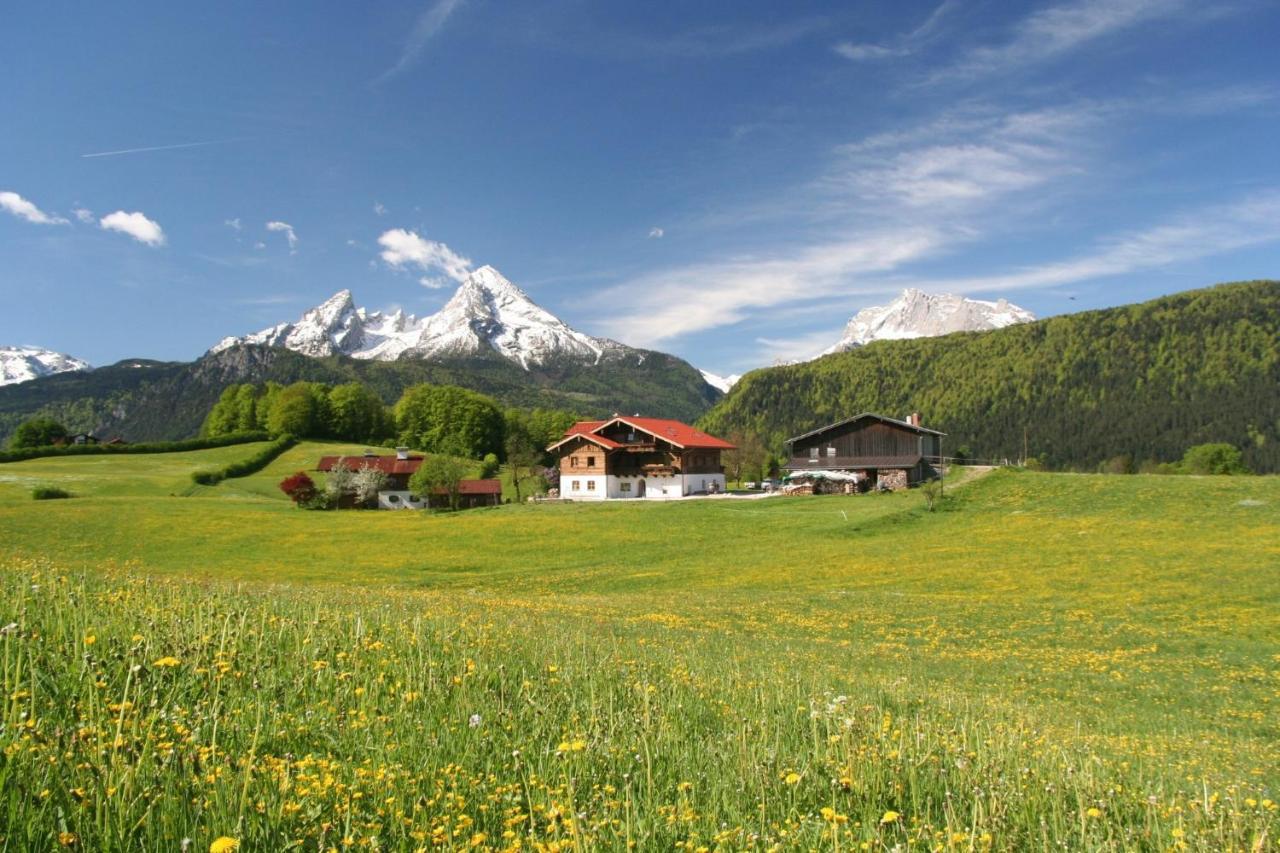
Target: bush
[[49, 493], [1218, 458], [932, 492], [245, 467], [37, 432], [489, 466], [300, 488], [23, 454]]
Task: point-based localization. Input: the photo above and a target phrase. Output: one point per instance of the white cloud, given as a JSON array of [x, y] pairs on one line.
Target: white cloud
[[721, 293], [430, 22], [1052, 32], [379, 208], [289, 234], [233, 224], [401, 248], [656, 233], [903, 46], [433, 282], [863, 52], [799, 347], [259, 245], [136, 225], [1246, 222], [84, 214], [20, 207]]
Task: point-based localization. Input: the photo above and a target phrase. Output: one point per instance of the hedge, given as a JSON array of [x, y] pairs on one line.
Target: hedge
[[24, 453], [245, 467], [49, 493]]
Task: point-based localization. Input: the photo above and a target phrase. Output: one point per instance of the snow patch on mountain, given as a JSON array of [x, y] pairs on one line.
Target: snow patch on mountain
[[22, 364], [723, 383], [916, 314], [488, 312]]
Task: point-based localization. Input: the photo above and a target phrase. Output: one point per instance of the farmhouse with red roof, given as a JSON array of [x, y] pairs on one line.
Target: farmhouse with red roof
[[398, 469], [638, 458]]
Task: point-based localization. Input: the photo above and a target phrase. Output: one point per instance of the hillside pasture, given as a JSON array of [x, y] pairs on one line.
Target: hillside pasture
[[1048, 660]]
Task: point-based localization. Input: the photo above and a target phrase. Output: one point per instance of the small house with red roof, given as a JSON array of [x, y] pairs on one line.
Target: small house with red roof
[[398, 469], [634, 457]]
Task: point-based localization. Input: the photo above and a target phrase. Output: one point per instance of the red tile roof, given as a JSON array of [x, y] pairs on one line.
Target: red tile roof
[[385, 464], [477, 487], [676, 432]]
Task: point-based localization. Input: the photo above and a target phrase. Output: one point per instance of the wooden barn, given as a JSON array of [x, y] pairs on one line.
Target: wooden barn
[[881, 452]]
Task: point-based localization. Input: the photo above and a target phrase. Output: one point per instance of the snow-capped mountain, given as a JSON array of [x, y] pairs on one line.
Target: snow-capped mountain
[[916, 314], [20, 364], [487, 312], [723, 383]]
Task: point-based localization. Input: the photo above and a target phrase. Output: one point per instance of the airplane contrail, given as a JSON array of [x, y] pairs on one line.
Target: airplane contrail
[[158, 148]]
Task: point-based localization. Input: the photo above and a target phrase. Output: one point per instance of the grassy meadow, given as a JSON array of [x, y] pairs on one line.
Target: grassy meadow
[[1048, 661]]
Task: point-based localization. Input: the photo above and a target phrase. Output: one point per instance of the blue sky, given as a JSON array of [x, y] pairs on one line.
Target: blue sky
[[726, 181]]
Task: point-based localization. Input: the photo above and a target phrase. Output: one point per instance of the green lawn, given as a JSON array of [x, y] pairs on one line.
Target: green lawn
[[1088, 661]]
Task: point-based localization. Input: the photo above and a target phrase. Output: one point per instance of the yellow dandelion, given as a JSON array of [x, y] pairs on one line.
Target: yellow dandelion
[[224, 844], [169, 661], [1094, 812], [792, 778], [90, 639], [889, 817], [67, 839]]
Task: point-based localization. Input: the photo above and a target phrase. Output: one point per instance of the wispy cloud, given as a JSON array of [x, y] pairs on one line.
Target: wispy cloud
[[402, 248], [907, 44], [732, 39], [1050, 33], [657, 233], [379, 208], [1213, 230], [84, 214], [931, 189], [136, 225], [425, 28], [721, 293], [798, 347], [233, 224], [287, 230], [159, 148], [23, 209]]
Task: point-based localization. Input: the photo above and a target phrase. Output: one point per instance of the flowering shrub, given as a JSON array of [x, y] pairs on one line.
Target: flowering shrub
[[300, 488]]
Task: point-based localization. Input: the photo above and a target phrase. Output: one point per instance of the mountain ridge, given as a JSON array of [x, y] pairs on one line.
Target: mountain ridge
[[25, 363], [488, 312]]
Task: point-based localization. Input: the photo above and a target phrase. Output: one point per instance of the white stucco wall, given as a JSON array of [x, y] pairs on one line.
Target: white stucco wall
[[402, 500], [584, 492]]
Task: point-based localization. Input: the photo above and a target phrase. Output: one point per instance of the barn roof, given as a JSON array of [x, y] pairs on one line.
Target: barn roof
[[477, 487], [822, 466], [874, 416], [385, 464]]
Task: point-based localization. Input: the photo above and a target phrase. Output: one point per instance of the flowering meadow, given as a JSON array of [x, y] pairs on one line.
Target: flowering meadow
[[1047, 662]]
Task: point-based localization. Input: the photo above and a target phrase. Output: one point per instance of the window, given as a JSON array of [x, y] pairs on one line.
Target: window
[[813, 453], [573, 462], [577, 486], [393, 499], [591, 462], [591, 485], [624, 487], [831, 453]]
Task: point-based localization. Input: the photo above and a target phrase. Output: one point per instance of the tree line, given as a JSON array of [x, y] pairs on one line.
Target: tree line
[[438, 419], [1143, 382]]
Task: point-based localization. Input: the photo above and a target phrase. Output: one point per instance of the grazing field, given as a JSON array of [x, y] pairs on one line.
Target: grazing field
[[1079, 662]]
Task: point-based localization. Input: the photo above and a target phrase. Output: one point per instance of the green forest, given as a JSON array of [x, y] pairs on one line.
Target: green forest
[[1143, 381]]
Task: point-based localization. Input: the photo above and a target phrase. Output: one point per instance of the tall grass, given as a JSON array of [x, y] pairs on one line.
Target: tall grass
[[139, 712]]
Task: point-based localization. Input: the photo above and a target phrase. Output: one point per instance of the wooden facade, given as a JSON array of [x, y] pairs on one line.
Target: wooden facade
[[638, 458], [889, 452]]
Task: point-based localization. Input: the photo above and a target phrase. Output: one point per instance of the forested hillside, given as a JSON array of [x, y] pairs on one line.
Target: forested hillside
[[147, 400], [1145, 381]]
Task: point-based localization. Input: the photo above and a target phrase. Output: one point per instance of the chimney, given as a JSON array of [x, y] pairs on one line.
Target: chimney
[[914, 420], [402, 453]]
